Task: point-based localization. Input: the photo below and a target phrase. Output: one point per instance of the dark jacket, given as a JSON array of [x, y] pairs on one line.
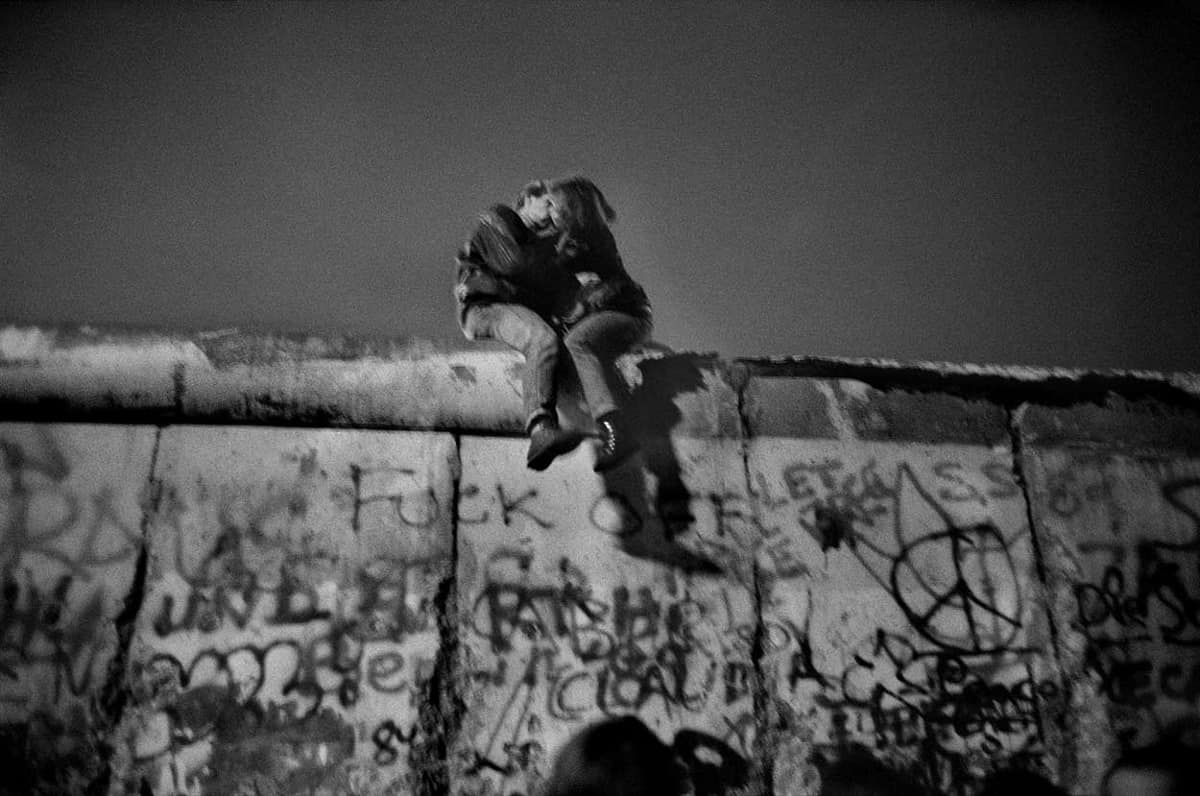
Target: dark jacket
[[505, 262], [615, 289]]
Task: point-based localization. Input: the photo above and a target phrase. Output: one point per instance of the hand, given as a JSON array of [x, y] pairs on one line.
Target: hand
[[575, 314]]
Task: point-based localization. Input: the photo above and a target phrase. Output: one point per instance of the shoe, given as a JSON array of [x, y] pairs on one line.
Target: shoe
[[616, 443], [547, 442]]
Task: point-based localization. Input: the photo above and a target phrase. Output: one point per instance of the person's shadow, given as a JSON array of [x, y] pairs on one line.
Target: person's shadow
[[652, 412]]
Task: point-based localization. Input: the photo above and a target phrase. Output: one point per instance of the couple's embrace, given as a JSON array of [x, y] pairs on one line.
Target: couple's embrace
[[545, 278]]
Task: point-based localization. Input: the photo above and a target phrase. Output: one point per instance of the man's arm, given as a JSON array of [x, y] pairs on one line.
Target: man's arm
[[477, 281]]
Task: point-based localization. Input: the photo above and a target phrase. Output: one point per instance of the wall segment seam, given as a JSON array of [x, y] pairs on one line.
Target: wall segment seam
[[441, 712], [738, 377], [115, 692], [1019, 476]]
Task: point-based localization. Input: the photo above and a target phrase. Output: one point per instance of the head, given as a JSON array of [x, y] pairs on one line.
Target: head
[[616, 757], [577, 206], [859, 773], [1017, 780], [1163, 769], [533, 205]]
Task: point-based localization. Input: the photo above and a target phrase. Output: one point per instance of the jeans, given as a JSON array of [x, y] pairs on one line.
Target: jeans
[[594, 344], [521, 328]]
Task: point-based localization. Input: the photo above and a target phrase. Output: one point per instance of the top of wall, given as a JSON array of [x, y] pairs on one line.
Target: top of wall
[[111, 375]]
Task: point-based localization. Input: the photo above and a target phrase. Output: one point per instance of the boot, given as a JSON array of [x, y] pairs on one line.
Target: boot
[[547, 442], [616, 443]]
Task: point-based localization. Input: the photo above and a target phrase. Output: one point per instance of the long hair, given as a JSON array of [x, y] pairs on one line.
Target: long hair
[[584, 212]]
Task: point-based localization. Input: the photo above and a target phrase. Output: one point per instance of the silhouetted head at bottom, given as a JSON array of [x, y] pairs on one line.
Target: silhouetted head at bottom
[[616, 757], [857, 772], [1019, 782], [1163, 769]]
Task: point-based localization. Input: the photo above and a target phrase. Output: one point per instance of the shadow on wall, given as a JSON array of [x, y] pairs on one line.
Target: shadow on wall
[[652, 412]]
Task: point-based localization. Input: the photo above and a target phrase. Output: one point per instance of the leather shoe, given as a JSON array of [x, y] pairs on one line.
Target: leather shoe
[[547, 442], [616, 443]]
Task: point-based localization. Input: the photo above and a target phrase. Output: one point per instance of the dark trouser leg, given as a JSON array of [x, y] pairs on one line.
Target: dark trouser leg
[[594, 344], [523, 329]]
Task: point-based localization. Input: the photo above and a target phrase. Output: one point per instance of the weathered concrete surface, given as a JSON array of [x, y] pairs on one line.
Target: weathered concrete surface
[[290, 621], [899, 587], [957, 566], [231, 377], [1116, 503], [49, 374], [70, 537], [448, 391], [235, 377], [575, 605]]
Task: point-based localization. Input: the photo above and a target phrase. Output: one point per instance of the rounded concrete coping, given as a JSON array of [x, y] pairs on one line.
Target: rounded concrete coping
[[115, 375]]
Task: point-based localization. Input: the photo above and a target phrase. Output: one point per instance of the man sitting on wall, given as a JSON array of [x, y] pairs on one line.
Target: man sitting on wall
[[510, 288]]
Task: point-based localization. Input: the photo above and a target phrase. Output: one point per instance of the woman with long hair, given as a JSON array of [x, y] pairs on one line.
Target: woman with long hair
[[611, 313]]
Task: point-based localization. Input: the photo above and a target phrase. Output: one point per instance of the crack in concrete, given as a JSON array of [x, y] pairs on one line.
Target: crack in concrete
[[1060, 717], [178, 387], [760, 695], [1017, 444], [114, 693], [441, 707]]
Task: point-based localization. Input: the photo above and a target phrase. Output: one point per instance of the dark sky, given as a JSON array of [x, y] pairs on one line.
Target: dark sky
[[983, 182]]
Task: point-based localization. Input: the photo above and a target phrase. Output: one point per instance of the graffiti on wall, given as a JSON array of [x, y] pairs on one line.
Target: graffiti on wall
[[1137, 602], [907, 630], [933, 663], [562, 651], [70, 543], [68, 546], [277, 656], [281, 651], [567, 616]]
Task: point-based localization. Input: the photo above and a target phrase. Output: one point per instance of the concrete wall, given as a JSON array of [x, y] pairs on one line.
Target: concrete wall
[[239, 564]]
